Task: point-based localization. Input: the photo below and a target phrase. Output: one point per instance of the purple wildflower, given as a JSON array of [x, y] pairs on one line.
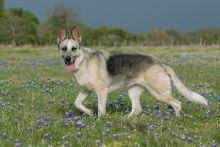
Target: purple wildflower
[[163, 128], [157, 106], [77, 118], [65, 138], [48, 137], [218, 98], [17, 143], [39, 122], [108, 124], [66, 124], [79, 122], [2, 104], [214, 144], [69, 114], [189, 139], [150, 126], [98, 142], [107, 131], [210, 112], [62, 102], [115, 136], [79, 136], [188, 102]]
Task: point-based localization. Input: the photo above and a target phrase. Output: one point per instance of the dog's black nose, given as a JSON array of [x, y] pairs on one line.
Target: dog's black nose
[[68, 60]]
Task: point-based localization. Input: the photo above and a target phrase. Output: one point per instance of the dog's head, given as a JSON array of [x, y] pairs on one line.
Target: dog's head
[[69, 47]]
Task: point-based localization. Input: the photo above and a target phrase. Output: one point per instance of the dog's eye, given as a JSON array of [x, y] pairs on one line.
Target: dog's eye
[[64, 49], [73, 48]]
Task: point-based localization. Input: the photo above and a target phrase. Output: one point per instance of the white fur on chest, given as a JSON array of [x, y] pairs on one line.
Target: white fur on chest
[[85, 78]]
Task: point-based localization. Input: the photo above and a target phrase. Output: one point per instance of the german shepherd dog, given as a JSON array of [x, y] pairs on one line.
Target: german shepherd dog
[[102, 72]]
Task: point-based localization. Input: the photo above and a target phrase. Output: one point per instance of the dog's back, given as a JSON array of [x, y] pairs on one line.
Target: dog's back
[[128, 64]]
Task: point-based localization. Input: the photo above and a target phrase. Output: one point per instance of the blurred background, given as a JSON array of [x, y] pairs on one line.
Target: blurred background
[[111, 23]]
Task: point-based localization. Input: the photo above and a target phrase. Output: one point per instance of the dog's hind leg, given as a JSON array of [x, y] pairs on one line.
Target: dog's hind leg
[[134, 94], [166, 99], [80, 98], [159, 85]]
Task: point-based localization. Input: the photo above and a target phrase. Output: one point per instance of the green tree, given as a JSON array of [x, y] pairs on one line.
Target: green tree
[[203, 37], [60, 16], [157, 37], [175, 37], [18, 27], [160, 37], [106, 36], [1, 7]]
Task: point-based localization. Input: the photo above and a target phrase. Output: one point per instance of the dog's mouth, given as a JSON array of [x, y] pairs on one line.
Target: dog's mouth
[[70, 66]]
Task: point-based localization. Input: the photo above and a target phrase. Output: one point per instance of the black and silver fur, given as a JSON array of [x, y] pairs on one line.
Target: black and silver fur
[[103, 72]]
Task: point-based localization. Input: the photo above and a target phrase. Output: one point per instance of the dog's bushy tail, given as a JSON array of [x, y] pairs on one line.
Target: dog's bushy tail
[[182, 89]]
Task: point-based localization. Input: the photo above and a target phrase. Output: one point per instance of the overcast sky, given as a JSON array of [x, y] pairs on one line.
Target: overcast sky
[[135, 15]]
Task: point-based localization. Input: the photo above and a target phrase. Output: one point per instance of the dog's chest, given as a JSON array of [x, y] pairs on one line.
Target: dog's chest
[[83, 79]]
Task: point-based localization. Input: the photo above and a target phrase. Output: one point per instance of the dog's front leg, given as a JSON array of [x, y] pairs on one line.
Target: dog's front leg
[[102, 97], [80, 98]]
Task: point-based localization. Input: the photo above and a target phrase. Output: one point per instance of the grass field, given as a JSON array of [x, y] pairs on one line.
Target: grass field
[[37, 95]]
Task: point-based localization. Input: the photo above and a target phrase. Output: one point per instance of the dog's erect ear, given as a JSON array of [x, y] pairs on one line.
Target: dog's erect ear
[[62, 35], [75, 34]]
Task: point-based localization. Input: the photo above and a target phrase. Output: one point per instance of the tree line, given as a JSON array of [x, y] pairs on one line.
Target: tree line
[[19, 27]]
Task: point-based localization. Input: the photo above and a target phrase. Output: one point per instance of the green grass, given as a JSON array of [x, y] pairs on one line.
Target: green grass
[[36, 94]]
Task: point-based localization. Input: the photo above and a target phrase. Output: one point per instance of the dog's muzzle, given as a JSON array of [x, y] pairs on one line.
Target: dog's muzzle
[[68, 60]]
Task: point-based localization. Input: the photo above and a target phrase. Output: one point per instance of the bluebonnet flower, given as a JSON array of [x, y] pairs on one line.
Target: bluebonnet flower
[[65, 138], [40, 122], [108, 131], [115, 136], [29, 129], [77, 118], [98, 142], [181, 127], [79, 122], [189, 139], [61, 83], [62, 102], [82, 125], [69, 114], [157, 106], [48, 137], [79, 136], [188, 102], [46, 119], [17, 143], [214, 144], [158, 113], [218, 98], [108, 124], [163, 128], [210, 112], [66, 124], [150, 126], [2, 104]]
